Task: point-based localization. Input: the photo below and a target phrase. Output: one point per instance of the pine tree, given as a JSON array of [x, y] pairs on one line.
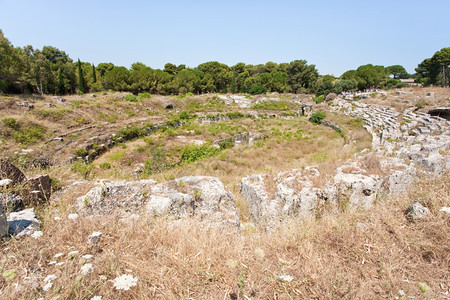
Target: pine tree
[[81, 83], [61, 87], [94, 76]]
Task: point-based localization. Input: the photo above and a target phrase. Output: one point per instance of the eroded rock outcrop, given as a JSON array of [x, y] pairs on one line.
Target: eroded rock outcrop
[[200, 197], [406, 143]]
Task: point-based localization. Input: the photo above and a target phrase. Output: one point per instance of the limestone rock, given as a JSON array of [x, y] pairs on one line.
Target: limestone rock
[[200, 197], [358, 189], [263, 210], [111, 196], [22, 223], [3, 223], [416, 211]]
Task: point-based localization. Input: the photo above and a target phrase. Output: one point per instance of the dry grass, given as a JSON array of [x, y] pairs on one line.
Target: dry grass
[[333, 257]]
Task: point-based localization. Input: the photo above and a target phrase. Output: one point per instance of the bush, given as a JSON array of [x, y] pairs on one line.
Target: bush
[[105, 166], [145, 96], [130, 132], [317, 117], [401, 85], [82, 168], [319, 99], [157, 163], [421, 104], [30, 134], [130, 98], [11, 123], [257, 88], [80, 152], [192, 153]]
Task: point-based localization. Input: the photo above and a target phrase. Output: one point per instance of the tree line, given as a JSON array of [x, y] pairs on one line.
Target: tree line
[[51, 71]]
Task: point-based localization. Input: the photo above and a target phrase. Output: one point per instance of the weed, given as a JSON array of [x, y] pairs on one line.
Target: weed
[[105, 166], [130, 98], [145, 96], [84, 169], [317, 117], [192, 153], [11, 123]]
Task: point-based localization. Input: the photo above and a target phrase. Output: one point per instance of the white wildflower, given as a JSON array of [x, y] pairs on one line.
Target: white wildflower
[[259, 253], [85, 269], [72, 254], [47, 286], [87, 256], [445, 209], [283, 261], [72, 216], [285, 278], [58, 254], [96, 234], [232, 263], [96, 298], [57, 218], [50, 278], [124, 282], [37, 234]]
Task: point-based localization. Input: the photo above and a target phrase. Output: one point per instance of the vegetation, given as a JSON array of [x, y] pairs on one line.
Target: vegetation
[[435, 70], [317, 117]]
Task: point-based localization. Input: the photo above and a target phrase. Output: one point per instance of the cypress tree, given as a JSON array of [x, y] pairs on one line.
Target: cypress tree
[[61, 87], [94, 76], [81, 84]]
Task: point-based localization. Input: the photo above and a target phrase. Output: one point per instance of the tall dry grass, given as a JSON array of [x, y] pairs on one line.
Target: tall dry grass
[[352, 255]]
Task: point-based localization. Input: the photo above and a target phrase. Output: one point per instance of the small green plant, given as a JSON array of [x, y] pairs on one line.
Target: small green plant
[[130, 98], [130, 132], [11, 123], [319, 99], [30, 134], [421, 104], [317, 117], [226, 144], [192, 153], [105, 166], [80, 152], [145, 96], [84, 169], [75, 104], [356, 123]]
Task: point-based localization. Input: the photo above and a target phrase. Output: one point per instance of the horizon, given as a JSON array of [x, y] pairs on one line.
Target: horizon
[[251, 32]]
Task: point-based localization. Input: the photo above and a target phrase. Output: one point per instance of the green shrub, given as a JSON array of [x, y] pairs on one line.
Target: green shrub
[[11, 123], [158, 162], [357, 123], [192, 153], [317, 117], [30, 134], [145, 96], [105, 166], [401, 85], [130, 98], [80, 152], [319, 99], [226, 144], [82, 168], [257, 88], [130, 132], [421, 104]]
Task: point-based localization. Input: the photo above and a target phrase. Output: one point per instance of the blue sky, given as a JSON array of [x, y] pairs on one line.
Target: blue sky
[[334, 35]]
